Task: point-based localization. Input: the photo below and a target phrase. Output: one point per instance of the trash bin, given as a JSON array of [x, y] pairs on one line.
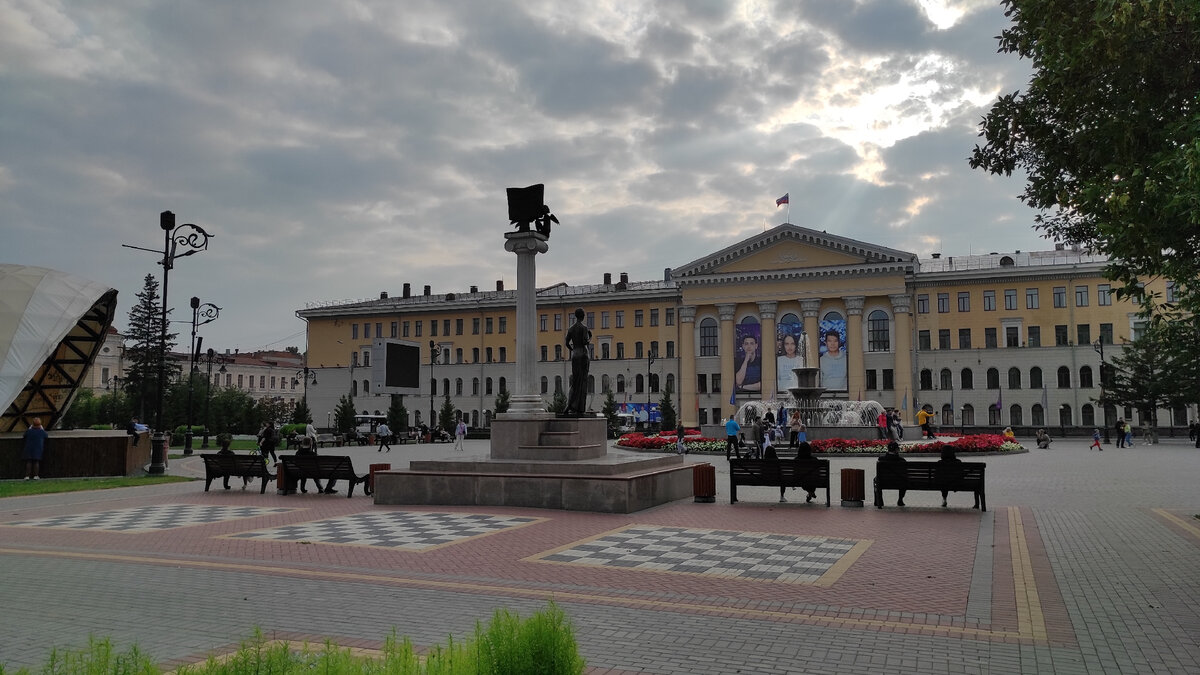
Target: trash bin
[[704, 483], [281, 482], [371, 478], [854, 487]]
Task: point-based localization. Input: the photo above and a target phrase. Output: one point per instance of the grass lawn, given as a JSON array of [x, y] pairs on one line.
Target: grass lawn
[[21, 488], [246, 444]]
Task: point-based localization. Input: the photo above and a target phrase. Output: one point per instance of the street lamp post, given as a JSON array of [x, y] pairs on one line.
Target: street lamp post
[[433, 359], [1098, 345], [210, 356], [209, 312], [652, 355], [194, 239], [307, 374]]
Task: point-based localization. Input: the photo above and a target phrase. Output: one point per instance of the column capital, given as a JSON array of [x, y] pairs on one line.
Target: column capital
[[727, 310], [687, 313], [766, 309], [525, 242], [854, 304], [901, 303], [810, 307]]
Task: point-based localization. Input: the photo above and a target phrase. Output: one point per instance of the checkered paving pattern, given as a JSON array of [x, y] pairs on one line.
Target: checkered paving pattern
[[744, 555], [414, 531], [151, 518]]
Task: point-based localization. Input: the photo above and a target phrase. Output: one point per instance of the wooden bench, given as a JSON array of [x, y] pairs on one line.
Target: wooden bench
[[778, 473], [320, 467], [959, 477], [239, 466], [329, 439]]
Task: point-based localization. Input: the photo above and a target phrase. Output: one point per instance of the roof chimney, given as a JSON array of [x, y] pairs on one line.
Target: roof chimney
[[608, 278], [499, 284], [427, 290], [624, 277], [937, 255], [667, 274], [407, 290], [474, 289], [1059, 247], [383, 295]]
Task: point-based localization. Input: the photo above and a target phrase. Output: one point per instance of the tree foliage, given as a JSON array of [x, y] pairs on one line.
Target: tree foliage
[[397, 415], [1147, 376], [503, 401], [666, 407], [1108, 131], [147, 348], [610, 408], [343, 415], [558, 402], [446, 414], [301, 414]]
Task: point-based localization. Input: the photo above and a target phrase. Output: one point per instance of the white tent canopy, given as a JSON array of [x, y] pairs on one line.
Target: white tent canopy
[[51, 327]]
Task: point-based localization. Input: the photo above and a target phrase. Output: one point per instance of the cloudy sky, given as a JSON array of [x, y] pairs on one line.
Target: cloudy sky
[[339, 148]]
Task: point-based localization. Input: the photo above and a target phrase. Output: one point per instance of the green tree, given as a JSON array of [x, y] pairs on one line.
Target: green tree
[[231, 411], [1147, 376], [610, 409], [666, 407], [503, 401], [397, 415], [84, 411], [1106, 133], [343, 415], [301, 414], [446, 414], [558, 402], [147, 348]]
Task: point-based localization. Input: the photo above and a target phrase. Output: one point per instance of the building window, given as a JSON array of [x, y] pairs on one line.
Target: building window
[[654, 348], [889, 379], [1060, 335], [558, 324], [994, 414], [1064, 377], [353, 331], [475, 326], [620, 318], [1060, 296], [964, 338], [943, 338], [1081, 296], [404, 329], [558, 386], [701, 383], [964, 301], [395, 328], [542, 322], [433, 331], [458, 355], [989, 338], [1012, 336], [1010, 298], [475, 355], [591, 320], [366, 358], [966, 379], [638, 317], [1084, 333], [926, 379], [989, 301], [637, 350], [1014, 378], [1035, 378], [604, 320], [545, 384], [872, 382], [670, 316], [475, 386], [545, 353], [1085, 377], [1087, 415], [708, 337], [1031, 298], [1106, 333], [654, 317], [620, 384], [670, 349], [487, 386], [1014, 415], [488, 324], [503, 325], [993, 378], [945, 379], [1037, 415], [503, 384], [923, 303], [878, 338], [923, 341], [458, 326], [620, 350], [1035, 336], [1104, 295], [262, 382], [716, 383], [943, 303], [947, 415], [558, 352], [417, 328], [488, 355], [604, 351]]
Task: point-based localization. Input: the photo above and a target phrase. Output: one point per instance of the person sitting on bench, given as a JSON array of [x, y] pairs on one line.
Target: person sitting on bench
[[308, 447], [804, 457], [225, 479], [893, 455], [949, 461]]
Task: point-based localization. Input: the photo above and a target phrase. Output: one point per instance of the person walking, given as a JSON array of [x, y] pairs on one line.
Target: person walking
[[35, 447], [385, 436], [680, 443], [732, 429], [460, 433], [268, 439], [1096, 440], [1128, 435], [795, 426], [1120, 429]]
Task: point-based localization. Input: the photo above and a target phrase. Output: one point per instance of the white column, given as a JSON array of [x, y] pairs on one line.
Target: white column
[[526, 402]]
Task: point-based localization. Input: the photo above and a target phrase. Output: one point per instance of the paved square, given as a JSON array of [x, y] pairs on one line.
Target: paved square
[[745, 555], [409, 530], [151, 518]]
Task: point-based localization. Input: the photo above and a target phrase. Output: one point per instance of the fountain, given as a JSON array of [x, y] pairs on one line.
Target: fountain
[[824, 418]]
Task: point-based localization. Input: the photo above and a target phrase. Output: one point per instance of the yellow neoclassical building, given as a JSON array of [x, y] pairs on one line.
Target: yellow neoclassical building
[[996, 339]]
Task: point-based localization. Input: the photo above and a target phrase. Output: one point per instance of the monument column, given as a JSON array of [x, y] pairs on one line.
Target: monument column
[[526, 402], [726, 348], [901, 306], [766, 318], [854, 349], [688, 402], [810, 308]]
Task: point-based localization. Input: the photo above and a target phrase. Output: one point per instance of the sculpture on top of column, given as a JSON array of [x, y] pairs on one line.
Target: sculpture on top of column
[[577, 340], [525, 206]]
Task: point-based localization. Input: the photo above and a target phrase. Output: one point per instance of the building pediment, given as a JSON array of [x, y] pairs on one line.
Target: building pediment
[[790, 248]]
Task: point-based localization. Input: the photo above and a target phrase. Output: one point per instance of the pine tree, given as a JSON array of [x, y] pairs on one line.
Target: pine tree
[[666, 408], [301, 414], [397, 415], [610, 409], [446, 415], [343, 415], [147, 350], [558, 404], [503, 400]]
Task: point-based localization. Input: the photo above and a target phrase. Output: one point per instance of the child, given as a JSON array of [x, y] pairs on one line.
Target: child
[[680, 445], [1096, 440]]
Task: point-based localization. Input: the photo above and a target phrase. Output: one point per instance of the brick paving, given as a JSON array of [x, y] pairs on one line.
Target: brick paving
[[1086, 562]]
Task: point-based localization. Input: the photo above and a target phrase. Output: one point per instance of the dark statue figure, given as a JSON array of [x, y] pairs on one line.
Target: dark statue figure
[[525, 206], [577, 340]]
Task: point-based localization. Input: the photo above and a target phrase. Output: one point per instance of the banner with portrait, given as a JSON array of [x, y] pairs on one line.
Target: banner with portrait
[[832, 353], [789, 354], [747, 359]]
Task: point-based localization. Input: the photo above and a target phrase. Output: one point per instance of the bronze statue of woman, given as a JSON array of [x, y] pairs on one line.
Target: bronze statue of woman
[[577, 340]]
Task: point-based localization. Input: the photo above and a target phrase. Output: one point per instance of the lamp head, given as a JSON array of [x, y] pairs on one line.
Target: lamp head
[[166, 220]]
